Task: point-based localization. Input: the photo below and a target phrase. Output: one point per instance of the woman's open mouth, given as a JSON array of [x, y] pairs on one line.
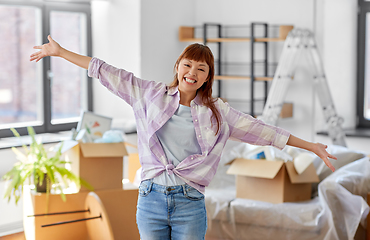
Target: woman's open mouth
[[188, 80]]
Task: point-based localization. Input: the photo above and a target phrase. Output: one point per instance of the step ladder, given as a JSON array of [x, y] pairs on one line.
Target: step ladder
[[300, 42]]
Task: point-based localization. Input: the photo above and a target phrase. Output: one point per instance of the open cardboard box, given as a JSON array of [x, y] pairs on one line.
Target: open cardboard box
[[118, 210], [65, 220], [272, 181], [39, 203], [133, 166], [100, 164]]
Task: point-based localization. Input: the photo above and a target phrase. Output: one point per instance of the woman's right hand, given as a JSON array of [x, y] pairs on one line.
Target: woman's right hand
[[48, 49]]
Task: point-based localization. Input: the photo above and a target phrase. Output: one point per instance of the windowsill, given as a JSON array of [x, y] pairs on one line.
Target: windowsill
[[26, 140], [355, 132], [46, 138]]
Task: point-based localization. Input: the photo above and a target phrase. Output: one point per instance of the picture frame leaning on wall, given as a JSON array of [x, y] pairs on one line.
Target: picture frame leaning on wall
[[95, 125]]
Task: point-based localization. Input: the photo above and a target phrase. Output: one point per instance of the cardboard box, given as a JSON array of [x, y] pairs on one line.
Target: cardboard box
[[118, 210], [186, 33], [133, 166], [272, 181], [100, 164], [286, 110], [36, 203]]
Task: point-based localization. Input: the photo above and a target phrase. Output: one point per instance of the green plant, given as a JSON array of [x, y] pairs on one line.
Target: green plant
[[34, 164]]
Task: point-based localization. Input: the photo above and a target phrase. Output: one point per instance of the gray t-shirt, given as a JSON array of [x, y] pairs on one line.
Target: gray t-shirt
[[179, 141]]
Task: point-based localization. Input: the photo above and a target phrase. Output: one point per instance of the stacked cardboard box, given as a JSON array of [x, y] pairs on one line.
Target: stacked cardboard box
[[101, 165]]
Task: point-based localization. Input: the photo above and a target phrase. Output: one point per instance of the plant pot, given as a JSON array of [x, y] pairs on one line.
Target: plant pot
[[42, 188]]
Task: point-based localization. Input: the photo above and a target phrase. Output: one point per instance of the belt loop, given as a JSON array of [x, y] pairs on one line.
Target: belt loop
[[184, 188], [151, 185]]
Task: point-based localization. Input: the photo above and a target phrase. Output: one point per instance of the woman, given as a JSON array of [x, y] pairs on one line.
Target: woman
[[182, 131]]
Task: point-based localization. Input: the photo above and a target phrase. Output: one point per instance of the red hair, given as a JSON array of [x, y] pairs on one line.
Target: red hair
[[201, 53]]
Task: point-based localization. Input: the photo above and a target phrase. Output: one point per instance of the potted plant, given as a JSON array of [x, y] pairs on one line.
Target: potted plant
[[37, 167]]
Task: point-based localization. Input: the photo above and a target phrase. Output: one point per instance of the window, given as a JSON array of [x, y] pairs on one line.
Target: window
[[363, 71], [48, 95]]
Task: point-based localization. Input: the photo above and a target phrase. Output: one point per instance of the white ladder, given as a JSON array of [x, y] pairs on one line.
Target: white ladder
[[301, 42]]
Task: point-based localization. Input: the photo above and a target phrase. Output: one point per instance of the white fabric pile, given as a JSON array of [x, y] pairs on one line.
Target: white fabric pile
[[337, 209]]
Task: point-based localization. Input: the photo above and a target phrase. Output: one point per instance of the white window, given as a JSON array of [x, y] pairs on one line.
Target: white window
[[48, 95]]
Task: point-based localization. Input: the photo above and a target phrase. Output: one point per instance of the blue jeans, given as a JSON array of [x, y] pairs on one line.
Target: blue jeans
[[175, 213]]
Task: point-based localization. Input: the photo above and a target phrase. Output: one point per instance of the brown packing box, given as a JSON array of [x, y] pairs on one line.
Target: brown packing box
[[100, 164], [272, 181], [35, 203], [118, 208], [133, 166]]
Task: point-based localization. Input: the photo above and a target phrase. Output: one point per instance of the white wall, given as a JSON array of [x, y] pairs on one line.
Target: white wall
[[339, 45], [116, 40], [298, 13], [160, 46], [340, 51]]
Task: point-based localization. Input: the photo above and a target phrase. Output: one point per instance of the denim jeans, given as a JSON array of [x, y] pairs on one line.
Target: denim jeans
[[175, 213]]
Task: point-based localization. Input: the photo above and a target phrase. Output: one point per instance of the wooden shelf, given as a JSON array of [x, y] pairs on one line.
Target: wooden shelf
[[186, 34], [242, 78], [215, 40]]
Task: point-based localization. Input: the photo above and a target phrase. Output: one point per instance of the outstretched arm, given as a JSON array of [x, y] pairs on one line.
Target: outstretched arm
[[317, 148], [54, 49]]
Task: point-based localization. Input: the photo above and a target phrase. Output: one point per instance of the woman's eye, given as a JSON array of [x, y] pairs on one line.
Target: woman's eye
[[186, 65], [202, 70]]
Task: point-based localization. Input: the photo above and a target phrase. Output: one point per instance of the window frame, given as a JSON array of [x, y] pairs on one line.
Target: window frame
[[46, 8], [363, 9]]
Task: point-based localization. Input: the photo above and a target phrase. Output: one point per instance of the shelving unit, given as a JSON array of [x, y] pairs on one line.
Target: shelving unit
[[187, 34]]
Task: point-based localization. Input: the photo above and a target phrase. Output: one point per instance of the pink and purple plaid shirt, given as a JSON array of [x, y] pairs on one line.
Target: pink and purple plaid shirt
[[154, 103]]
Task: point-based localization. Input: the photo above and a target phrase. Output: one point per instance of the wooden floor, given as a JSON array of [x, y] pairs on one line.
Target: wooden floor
[[16, 236]]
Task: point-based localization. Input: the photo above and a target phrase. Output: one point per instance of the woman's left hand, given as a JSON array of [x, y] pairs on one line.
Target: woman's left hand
[[317, 148], [320, 150]]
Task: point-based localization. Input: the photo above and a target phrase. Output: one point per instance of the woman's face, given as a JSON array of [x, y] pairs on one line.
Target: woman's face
[[191, 75]]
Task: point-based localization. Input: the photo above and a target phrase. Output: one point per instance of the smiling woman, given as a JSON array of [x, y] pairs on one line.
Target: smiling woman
[[196, 63], [192, 75], [182, 132]]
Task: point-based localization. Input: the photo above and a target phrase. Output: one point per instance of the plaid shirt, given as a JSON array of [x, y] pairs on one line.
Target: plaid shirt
[[154, 103]]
